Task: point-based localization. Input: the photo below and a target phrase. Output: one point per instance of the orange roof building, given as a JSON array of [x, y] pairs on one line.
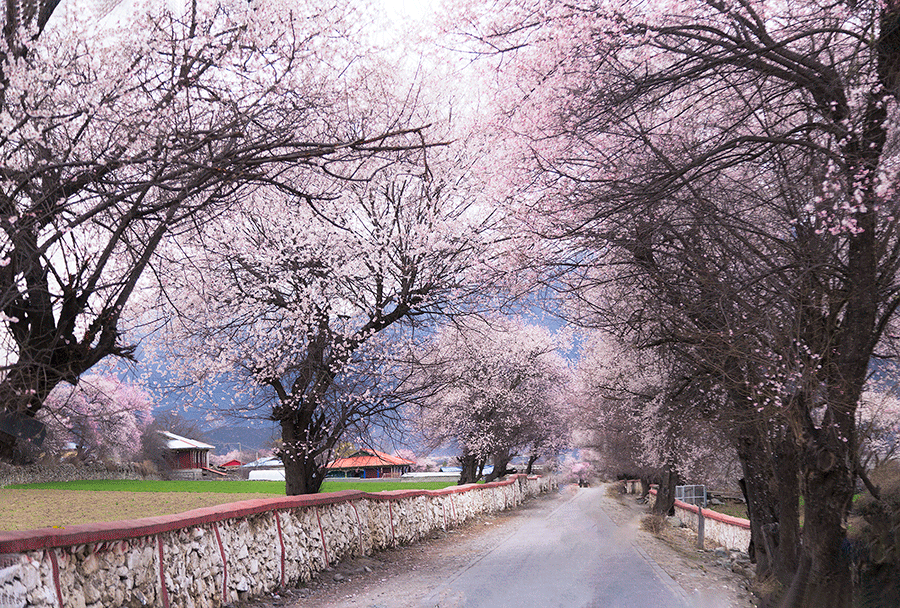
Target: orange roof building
[[369, 464]]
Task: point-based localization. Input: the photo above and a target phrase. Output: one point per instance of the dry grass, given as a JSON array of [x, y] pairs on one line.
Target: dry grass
[[615, 489], [654, 524], [31, 509]]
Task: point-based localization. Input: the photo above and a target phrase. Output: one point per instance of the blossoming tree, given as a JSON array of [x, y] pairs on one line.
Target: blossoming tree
[[496, 387], [735, 163], [118, 133], [101, 416], [644, 414], [304, 302]]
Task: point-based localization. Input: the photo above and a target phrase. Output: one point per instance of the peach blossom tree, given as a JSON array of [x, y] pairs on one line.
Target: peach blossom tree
[[123, 131], [495, 387], [101, 418], [729, 169]]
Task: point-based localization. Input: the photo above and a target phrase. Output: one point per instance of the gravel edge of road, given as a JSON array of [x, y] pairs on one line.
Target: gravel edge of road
[[703, 582]]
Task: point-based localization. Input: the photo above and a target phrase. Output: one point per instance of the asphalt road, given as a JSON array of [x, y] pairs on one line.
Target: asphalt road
[[571, 557]]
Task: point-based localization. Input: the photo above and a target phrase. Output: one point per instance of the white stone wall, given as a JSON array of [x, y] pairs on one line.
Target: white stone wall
[[730, 532], [128, 569]]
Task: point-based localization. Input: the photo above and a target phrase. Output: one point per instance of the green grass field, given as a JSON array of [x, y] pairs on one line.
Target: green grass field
[[222, 487], [733, 509]]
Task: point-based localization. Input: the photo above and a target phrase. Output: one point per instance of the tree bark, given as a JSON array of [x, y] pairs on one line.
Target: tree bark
[[500, 459], [665, 491], [787, 488], [302, 474], [823, 579], [531, 460], [761, 502], [469, 464]]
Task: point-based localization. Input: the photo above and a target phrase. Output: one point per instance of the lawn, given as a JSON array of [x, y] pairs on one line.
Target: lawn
[[733, 509], [61, 504]]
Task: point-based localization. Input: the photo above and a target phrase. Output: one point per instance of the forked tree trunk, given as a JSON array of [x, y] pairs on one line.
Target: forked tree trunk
[[823, 579]]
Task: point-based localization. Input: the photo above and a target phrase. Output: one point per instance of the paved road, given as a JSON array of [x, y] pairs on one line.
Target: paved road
[[571, 557]]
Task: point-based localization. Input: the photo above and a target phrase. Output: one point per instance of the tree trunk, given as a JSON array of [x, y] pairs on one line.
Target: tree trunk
[[645, 486], [469, 464], [770, 463], [22, 393], [500, 459], [665, 491], [787, 488], [531, 460], [761, 502], [302, 474], [823, 579]]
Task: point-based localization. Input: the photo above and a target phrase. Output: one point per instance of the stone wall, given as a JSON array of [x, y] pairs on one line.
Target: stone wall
[[730, 532], [210, 557]]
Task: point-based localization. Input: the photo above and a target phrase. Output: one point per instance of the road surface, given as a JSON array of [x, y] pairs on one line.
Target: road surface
[[572, 556], [561, 550]]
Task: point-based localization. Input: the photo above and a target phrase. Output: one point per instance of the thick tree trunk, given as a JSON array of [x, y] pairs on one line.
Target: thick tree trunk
[[302, 474], [22, 394], [823, 579], [469, 465], [787, 489], [762, 504], [665, 491], [500, 459]]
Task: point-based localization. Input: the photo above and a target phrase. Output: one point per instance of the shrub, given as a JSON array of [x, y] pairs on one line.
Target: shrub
[[875, 550], [654, 524]]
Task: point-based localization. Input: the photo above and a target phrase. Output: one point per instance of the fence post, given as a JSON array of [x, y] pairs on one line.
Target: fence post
[[701, 532]]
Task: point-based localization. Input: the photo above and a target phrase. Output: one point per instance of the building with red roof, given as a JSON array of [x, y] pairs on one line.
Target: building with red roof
[[369, 464]]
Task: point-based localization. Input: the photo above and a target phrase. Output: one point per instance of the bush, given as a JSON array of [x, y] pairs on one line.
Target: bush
[[875, 548], [147, 469], [654, 524]]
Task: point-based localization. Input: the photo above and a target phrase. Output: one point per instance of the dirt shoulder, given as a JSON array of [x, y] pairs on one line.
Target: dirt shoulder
[[402, 577], [708, 584]]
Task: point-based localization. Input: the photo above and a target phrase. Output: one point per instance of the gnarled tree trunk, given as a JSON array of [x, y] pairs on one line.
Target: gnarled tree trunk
[[500, 459], [469, 464], [665, 491], [302, 473]]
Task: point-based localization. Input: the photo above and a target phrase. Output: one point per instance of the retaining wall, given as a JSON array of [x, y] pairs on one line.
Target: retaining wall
[[730, 532], [214, 556]]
